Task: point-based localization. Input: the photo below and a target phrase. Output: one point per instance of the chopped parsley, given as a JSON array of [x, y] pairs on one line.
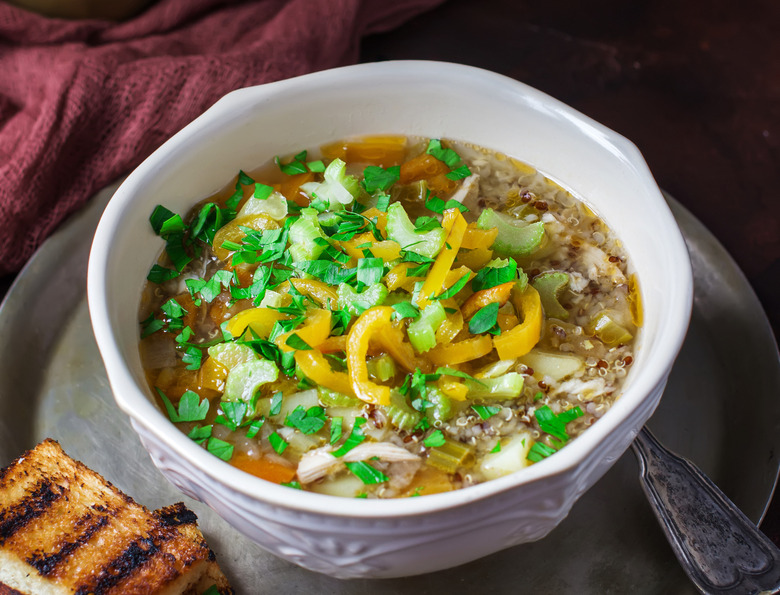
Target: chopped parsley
[[356, 436], [366, 473], [435, 438], [191, 408], [485, 319], [309, 421], [276, 403], [220, 448], [376, 178], [486, 411], [277, 443]]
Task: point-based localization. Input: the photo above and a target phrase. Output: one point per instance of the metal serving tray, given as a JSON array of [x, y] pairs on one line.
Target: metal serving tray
[[720, 409]]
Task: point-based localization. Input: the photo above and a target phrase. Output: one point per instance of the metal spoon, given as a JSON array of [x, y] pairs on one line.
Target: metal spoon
[[719, 548]]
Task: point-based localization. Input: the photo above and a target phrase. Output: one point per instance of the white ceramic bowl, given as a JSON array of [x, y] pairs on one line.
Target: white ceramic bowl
[[372, 538]]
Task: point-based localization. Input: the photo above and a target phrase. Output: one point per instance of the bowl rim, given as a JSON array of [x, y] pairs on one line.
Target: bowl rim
[[135, 403]]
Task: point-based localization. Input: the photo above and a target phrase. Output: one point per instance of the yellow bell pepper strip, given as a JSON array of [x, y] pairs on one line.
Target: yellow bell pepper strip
[[478, 238], [453, 388], [387, 250], [396, 278], [451, 326], [462, 351], [455, 225], [333, 344], [475, 259], [521, 339], [212, 375], [381, 219], [314, 331], [232, 232], [506, 322], [323, 293], [368, 325], [260, 320], [454, 275], [480, 299], [317, 369], [390, 339]]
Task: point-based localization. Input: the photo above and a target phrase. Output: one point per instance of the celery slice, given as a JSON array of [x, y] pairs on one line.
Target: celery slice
[[229, 355], [400, 229], [508, 386], [605, 326], [422, 332], [441, 406], [550, 286], [332, 398], [338, 188], [356, 302], [382, 368], [400, 413], [275, 206], [449, 456], [515, 238], [307, 242], [243, 380]]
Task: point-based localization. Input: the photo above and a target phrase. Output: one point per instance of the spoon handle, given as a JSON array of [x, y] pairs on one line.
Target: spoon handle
[[719, 548]]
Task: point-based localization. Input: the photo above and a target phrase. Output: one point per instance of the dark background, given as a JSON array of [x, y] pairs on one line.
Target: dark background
[[695, 85]]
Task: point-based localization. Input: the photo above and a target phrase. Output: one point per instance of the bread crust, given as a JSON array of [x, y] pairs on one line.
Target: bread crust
[[65, 530]]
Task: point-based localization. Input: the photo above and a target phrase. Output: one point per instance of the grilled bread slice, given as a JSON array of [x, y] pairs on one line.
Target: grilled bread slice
[[66, 530]]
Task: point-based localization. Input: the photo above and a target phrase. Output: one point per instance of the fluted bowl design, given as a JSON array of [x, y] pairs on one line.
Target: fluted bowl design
[[372, 538]]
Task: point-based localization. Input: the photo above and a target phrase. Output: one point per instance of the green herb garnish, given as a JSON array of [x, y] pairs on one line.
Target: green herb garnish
[[486, 411], [308, 421], [356, 436], [220, 448], [366, 473], [277, 443], [435, 438], [485, 319]]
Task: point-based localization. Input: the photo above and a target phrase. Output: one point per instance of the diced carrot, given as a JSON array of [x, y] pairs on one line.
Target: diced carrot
[[290, 188], [429, 481], [422, 167], [374, 150], [441, 186], [264, 468]]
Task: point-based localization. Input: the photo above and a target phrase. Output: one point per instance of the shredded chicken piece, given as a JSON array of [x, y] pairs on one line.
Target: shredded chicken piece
[[589, 389], [316, 464], [319, 462], [468, 193], [598, 265], [385, 451]]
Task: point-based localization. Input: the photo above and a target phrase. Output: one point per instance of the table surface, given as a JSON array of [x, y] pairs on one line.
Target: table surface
[[695, 86]]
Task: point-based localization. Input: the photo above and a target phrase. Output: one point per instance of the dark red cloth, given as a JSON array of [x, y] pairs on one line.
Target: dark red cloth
[[83, 102]]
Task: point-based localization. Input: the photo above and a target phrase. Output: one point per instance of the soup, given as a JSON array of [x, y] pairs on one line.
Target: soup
[[387, 317]]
